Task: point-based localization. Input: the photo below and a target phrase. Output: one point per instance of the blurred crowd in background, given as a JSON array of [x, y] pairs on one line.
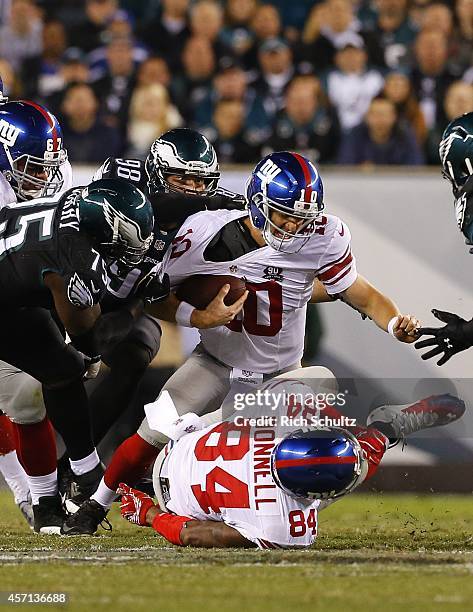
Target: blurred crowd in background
[[368, 82]]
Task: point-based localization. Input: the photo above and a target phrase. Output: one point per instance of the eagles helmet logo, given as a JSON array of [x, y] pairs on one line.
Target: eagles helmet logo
[[123, 227]]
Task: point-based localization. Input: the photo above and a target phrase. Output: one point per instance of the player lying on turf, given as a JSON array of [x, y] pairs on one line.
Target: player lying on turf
[[281, 245], [243, 484]]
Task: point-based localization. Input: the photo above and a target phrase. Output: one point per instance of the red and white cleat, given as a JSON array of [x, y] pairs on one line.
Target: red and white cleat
[[432, 411]]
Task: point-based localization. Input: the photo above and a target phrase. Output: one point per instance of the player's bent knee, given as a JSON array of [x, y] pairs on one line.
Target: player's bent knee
[[150, 435], [61, 368], [22, 398], [129, 355]]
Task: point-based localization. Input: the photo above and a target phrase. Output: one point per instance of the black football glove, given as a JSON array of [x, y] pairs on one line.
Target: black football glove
[[226, 199], [454, 337], [151, 289]]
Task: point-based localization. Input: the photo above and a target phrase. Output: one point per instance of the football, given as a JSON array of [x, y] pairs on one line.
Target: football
[[199, 290]]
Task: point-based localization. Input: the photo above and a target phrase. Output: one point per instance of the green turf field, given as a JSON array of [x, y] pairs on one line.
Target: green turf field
[[374, 552]]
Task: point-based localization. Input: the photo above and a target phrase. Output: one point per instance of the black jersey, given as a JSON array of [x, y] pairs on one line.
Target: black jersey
[[170, 211], [43, 236]]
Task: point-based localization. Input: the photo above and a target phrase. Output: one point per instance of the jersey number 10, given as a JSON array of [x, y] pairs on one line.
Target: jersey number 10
[[249, 322]]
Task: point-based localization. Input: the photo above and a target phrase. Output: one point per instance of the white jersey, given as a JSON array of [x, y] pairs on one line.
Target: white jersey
[[7, 195], [223, 473], [268, 335]]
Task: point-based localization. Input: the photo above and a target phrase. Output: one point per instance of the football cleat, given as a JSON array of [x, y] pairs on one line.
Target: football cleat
[[49, 515], [82, 487], [26, 509], [65, 476], [86, 520], [432, 411]]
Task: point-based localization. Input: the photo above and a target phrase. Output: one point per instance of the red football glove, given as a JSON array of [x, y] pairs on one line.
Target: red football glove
[[134, 505], [374, 445]]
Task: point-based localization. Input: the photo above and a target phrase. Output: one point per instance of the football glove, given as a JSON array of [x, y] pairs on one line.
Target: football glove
[[151, 289], [224, 198], [134, 504], [454, 337], [92, 365]]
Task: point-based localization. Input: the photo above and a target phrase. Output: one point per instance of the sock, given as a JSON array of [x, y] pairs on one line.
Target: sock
[[42, 486], [81, 466], [7, 435], [104, 496], [129, 462], [36, 447], [68, 409], [386, 429], [14, 475]]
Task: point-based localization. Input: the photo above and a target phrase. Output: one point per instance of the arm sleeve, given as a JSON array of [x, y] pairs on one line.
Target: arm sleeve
[[83, 270], [337, 269]]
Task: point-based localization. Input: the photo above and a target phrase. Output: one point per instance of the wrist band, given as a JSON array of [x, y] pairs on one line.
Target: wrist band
[[170, 526], [391, 325], [183, 314]]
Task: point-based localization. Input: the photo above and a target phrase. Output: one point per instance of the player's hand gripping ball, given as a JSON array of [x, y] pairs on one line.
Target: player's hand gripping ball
[[134, 504]]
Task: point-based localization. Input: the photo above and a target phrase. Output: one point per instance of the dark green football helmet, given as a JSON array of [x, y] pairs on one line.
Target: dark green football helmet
[[185, 154], [456, 151], [118, 218]]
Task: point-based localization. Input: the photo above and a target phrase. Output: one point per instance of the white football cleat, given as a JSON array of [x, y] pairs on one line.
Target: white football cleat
[[432, 411]]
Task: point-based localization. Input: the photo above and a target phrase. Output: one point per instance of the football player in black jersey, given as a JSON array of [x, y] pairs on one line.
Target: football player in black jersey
[[180, 177], [54, 254], [456, 155]]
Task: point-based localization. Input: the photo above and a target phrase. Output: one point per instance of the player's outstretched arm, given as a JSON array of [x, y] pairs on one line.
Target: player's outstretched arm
[[211, 534], [215, 314], [381, 309], [138, 508], [319, 294]]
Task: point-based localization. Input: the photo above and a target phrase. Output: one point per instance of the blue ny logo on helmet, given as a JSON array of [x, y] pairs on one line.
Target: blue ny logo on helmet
[[318, 463], [31, 149], [289, 184]]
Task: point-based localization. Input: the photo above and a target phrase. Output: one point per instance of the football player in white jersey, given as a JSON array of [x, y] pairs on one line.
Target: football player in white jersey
[[258, 480], [33, 163], [281, 248]]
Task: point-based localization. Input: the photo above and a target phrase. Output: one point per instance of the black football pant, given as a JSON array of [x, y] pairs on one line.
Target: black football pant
[[31, 341], [128, 361]]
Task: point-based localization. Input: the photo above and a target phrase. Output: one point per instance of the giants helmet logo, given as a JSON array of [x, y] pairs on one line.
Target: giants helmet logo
[[8, 133]]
